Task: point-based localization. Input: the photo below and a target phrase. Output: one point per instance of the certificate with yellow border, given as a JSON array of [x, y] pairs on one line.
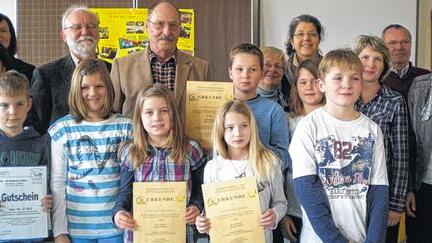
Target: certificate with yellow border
[[203, 98], [234, 211], [159, 211]]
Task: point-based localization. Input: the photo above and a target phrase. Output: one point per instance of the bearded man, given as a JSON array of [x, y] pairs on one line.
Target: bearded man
[[51, 82]]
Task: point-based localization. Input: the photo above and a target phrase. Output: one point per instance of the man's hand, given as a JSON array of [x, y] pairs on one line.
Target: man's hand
[[410, 204], [288, 228]]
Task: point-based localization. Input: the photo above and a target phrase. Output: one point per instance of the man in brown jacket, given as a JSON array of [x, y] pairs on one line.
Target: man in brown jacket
[[161, 63]]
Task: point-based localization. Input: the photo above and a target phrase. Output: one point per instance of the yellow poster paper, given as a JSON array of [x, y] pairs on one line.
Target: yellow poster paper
[[233, 208], [122, 31], [159, 211], [203, 99]]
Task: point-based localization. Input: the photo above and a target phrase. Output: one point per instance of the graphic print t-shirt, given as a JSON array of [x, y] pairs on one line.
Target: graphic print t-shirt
[[347, 156]]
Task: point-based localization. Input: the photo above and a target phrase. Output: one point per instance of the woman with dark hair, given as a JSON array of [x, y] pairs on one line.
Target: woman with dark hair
[[8, 48], [305, 33]]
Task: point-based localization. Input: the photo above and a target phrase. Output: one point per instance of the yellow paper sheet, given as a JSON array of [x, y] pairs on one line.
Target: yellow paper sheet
[[233, 208], [203, 99], [159, 210]]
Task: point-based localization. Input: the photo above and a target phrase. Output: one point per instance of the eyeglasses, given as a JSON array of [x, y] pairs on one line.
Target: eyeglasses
[[395, 43], [78, 27], [4, 30], [310, 34], [159, 25], [275, 66]]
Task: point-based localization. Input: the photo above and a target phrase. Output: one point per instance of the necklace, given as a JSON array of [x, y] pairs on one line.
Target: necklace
[[241, 174]]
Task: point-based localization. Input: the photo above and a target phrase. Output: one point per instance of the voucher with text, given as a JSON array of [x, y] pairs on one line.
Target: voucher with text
[[21, 192]]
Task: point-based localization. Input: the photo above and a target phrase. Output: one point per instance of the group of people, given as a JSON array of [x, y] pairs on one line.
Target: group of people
[[339, 144]]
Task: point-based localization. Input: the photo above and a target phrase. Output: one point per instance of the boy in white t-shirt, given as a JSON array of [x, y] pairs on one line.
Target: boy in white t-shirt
[[338, 161]]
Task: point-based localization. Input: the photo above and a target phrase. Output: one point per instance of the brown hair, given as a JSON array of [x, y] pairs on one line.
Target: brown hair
[[261, 159], [77, 105], [13, 83], [296, 104], [139, 144], [342, 58], [246, 48], [378, 45]]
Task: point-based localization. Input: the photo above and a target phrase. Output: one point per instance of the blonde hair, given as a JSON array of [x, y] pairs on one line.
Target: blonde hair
[[378, 45], [77, 106], [261, 159], [342, 58], [270, 50], [13, 83], [139, 144]]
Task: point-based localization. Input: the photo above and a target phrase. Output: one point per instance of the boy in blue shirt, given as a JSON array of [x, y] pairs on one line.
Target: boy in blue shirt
[[20, 146], [246, 71]]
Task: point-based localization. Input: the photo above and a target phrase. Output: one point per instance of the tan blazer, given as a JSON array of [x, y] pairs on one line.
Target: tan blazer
[[132, 73]]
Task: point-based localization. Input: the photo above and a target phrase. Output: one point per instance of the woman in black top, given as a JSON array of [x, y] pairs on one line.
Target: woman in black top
[[8, 48]]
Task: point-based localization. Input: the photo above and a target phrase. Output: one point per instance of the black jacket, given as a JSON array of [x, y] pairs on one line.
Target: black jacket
[[50, 91]]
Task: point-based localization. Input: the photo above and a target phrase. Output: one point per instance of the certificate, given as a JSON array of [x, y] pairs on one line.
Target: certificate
[[159, 210], [203, 98], [21, 192], [234, 211]]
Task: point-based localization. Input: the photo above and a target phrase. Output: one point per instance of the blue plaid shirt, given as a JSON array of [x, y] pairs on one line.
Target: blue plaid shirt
[[388, 109], [158, 167]]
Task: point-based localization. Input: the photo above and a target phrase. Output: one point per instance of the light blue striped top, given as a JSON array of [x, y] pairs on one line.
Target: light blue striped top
[[86, 175]]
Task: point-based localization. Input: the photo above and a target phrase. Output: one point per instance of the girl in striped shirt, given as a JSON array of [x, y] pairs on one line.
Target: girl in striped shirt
[[159, 152], [85, 170]]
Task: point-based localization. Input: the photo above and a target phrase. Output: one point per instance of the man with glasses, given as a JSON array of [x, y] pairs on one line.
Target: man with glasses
[[160, 63], [398, 40], [51, 82]]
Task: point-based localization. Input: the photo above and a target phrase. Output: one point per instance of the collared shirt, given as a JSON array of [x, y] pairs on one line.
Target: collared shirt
[[402, 71], [418, 99], [163, 72], [158, 167], [388, 110]]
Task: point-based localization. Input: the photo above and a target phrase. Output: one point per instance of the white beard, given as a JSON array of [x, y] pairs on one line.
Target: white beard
[[81, 48]]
